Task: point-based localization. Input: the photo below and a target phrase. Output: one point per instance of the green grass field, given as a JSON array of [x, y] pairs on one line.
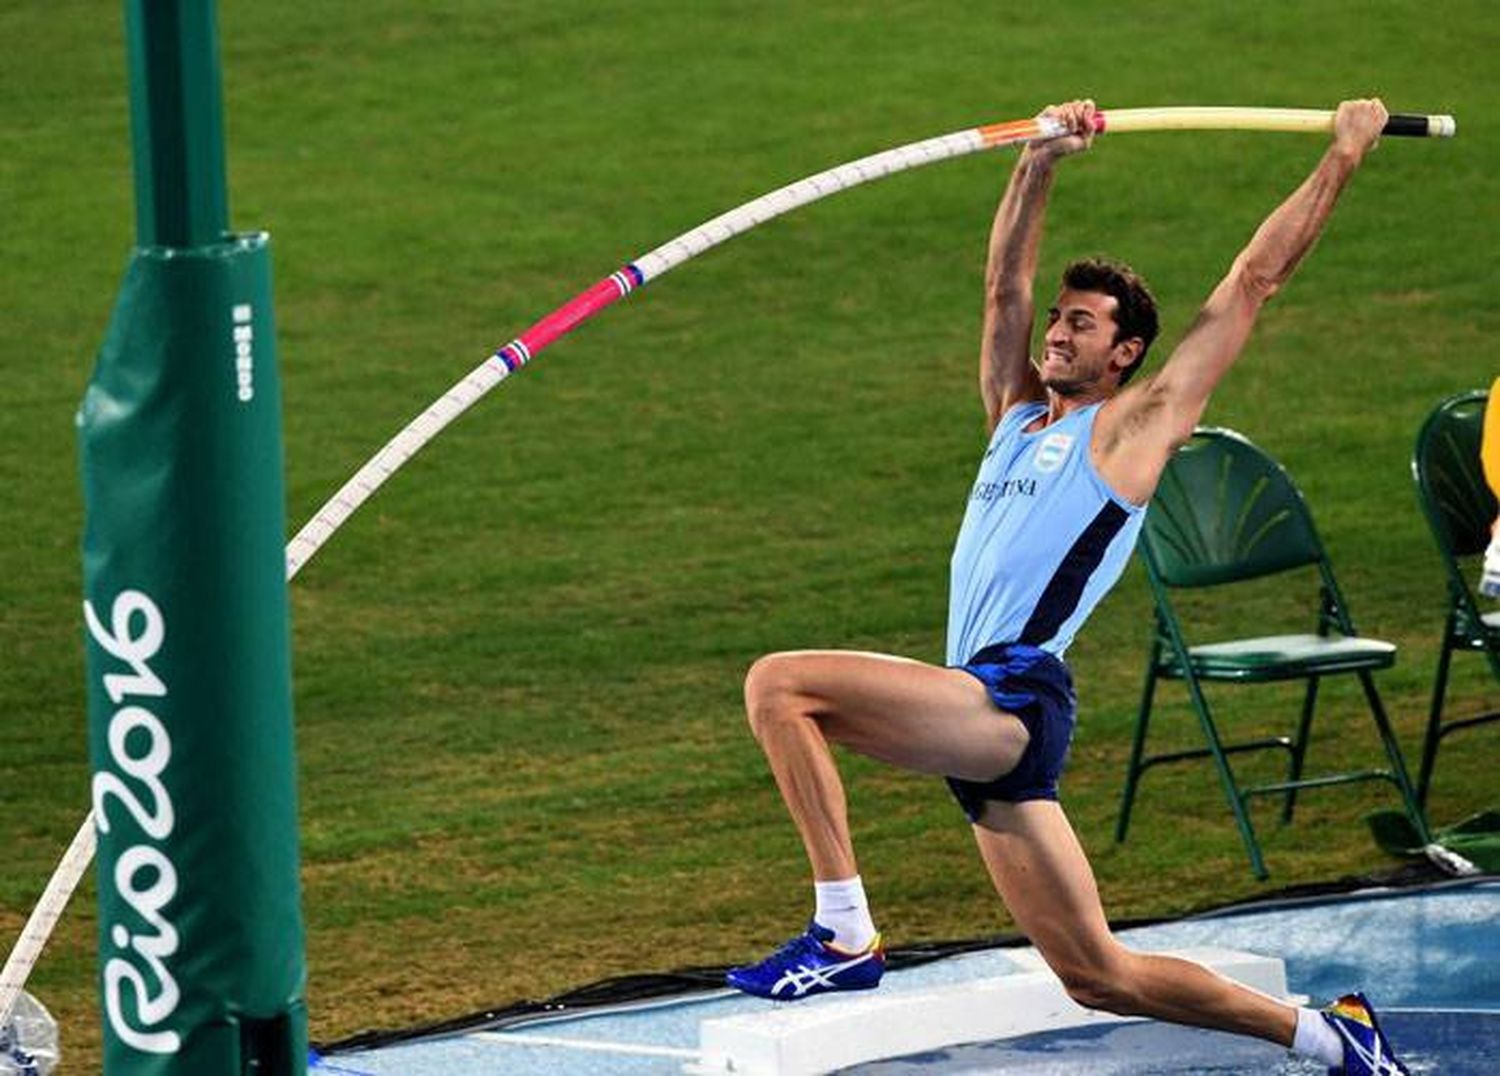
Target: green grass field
[[523, 763]]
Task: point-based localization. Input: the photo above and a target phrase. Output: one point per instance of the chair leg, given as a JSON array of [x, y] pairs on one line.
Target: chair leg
[[1138, 745], [1434, 722], [1299, 748], [1226, 776], [1393, 752]]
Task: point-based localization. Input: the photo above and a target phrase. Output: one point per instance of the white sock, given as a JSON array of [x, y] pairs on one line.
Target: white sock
[[843, 909], [1489, 579], [1315, 1038]]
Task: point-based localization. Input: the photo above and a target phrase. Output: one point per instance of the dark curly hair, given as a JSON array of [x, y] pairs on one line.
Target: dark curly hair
[[1136, 312]]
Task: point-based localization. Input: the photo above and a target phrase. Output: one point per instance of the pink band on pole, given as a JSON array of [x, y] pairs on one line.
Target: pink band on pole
[[565, 318]]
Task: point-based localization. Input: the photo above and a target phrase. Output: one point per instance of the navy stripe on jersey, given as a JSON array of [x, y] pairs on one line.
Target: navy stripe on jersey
[[1060, 599]]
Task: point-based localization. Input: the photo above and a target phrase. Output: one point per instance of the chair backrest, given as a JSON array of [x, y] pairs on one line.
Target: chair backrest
[[1225, 511], [1459, 505]]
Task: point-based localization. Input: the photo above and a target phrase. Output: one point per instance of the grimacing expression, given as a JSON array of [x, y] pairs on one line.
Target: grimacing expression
[[1079, 347]]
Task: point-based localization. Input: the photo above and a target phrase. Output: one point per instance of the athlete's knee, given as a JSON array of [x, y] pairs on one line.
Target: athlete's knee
[[1100, 981], [772, 690]]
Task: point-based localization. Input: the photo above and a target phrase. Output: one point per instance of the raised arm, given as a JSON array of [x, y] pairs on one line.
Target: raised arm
[[1139, 429], [1006, 373]]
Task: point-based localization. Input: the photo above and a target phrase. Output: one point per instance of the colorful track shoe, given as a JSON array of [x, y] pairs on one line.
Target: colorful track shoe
[[1366, 1053], [810, 964]]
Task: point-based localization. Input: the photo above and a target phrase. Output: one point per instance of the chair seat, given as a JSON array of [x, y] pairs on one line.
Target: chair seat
[[1285, 657]]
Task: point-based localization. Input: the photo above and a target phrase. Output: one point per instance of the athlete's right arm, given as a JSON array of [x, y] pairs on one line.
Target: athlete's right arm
[[1006, 373]]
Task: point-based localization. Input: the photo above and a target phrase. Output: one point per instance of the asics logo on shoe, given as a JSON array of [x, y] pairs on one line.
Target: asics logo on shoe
[[799, 980], [808, 965], [1366, 1055]]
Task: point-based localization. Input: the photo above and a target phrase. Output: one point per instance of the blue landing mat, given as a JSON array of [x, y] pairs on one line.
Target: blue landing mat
[[1429, 959], [1450, 1043]]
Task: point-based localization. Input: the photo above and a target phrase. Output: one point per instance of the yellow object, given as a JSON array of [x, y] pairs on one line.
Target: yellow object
[[1489, 447]]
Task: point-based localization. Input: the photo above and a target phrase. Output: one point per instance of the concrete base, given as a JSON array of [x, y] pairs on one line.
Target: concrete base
[[831, 1032]]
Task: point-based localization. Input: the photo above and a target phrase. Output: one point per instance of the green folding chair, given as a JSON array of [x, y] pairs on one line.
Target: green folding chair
[[1459, 506], [1226, 513]]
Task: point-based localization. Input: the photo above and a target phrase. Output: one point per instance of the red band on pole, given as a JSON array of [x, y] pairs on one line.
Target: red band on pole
[[565, 318]]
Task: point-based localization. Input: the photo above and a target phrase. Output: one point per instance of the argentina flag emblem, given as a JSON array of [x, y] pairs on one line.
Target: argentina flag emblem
[[1051, 453]]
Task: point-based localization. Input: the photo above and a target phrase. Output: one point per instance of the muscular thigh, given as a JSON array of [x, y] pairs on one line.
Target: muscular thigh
[[917, 716]]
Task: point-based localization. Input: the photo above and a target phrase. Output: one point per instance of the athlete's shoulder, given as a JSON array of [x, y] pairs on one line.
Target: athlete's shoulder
[[1133, 439], [1019, 414], [1007, 431]]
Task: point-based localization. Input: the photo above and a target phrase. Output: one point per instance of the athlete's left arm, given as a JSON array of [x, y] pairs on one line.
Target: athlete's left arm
[[1137, 431]]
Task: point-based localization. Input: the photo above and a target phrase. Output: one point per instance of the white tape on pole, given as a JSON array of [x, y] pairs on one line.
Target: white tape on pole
[[44, 916]]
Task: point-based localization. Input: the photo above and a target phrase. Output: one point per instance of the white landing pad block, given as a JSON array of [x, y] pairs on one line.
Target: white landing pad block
[[833, 1032]]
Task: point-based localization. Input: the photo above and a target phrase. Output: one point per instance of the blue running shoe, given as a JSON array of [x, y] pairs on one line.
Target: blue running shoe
[[1366, 1053], [810, 964]]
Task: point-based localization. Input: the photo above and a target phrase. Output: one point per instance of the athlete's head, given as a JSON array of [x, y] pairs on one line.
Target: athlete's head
[[1100, 328]]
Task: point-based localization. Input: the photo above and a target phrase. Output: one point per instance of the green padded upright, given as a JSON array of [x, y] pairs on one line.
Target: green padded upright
[[188, 641], [1226, 513]]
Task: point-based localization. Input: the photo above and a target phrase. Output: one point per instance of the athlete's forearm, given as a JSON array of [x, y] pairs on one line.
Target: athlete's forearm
[[1016, 236], [1216, 338], [1005, 370], [1283, 240]]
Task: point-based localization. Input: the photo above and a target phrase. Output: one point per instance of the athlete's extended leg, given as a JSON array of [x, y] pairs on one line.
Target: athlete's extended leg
[[1045, 880], [916, 716]]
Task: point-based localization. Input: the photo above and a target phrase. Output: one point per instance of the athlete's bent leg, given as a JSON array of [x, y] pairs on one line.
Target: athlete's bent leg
[[916, 716], [1041, 873]]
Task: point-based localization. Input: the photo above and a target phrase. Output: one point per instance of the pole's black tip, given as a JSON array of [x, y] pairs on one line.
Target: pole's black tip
[[1416, 125]]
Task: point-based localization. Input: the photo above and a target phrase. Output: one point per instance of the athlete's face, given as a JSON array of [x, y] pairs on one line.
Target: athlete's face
[[1080, 356]]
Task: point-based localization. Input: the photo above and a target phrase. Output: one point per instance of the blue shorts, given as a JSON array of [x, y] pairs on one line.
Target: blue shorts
[[1037, 687]]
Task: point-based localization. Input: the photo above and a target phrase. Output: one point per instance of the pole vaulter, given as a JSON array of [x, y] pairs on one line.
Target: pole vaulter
[[635, 274]]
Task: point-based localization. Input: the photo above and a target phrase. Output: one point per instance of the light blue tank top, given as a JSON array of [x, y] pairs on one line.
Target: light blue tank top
[[1043, 539]]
